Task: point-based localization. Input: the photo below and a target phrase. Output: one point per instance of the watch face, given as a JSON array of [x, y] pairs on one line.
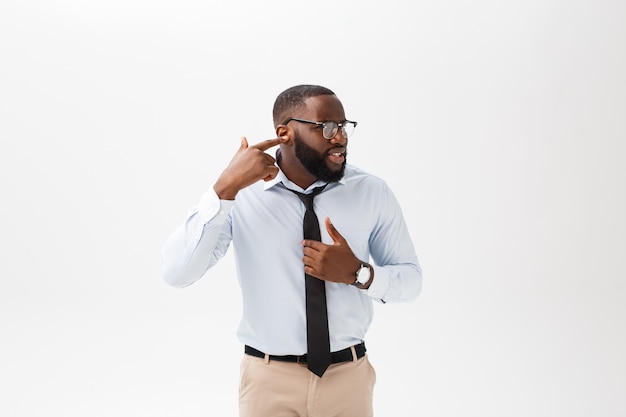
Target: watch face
[[364, 275]]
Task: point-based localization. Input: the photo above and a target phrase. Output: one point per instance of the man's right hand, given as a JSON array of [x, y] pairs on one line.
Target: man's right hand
[[249, 165]]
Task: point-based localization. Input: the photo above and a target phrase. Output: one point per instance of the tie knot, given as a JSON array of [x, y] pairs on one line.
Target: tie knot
[[307, 199]]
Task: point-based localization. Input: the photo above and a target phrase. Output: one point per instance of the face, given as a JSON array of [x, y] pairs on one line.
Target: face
[[324, 159], [316, 162]]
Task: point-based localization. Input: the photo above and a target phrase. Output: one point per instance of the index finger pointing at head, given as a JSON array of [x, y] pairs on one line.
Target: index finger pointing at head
[[266, 144]]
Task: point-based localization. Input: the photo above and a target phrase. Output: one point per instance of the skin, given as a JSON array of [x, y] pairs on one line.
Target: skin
[[335, 262]]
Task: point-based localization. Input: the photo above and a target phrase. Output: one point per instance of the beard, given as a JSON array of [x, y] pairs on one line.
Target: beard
[[315, 162]]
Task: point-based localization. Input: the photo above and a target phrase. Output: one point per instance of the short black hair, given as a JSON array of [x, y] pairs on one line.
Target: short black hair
[[293, 98]]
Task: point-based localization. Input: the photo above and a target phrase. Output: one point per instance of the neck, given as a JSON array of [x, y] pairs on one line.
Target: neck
[[296, 172]]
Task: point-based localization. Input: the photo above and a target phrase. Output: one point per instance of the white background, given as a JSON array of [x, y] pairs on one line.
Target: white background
[[500, 125]]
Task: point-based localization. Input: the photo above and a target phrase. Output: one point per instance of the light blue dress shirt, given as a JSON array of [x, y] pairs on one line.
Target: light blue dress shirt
[[264, 224]]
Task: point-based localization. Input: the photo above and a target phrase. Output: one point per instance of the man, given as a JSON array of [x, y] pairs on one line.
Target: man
[[307, 297]]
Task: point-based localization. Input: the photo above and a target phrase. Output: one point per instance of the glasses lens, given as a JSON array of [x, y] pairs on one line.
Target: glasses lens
[[330, 130], [348, 129]]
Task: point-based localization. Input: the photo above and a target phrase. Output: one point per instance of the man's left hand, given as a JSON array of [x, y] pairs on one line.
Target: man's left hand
[[334, 262]]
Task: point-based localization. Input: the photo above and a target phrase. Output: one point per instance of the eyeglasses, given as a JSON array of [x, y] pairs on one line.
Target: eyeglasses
[[329, 129]]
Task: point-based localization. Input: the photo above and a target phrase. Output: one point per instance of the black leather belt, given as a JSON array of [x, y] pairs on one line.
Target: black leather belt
[[344, 355]]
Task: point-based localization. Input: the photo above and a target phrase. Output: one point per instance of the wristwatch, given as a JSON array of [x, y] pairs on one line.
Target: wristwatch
[[363, 275]]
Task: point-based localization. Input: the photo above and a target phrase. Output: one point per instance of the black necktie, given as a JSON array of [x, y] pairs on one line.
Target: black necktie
[[318, 340]]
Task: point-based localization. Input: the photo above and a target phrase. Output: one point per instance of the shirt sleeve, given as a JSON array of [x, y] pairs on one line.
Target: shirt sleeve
[[397, 272], [199, 242]]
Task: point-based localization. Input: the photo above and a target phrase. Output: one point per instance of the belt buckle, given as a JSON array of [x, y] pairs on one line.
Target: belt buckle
[[300, 361]]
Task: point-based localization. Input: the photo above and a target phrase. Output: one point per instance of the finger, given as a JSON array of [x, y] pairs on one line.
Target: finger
[[269, 159], [309, 262], [312, 246], [266, 144], [273, 171], [332, 232], [244, 143]]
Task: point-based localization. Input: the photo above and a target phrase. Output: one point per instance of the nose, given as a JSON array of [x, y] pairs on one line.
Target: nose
[[339, 138]]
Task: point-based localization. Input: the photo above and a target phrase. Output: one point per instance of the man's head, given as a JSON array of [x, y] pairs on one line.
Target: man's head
[[293, 99], [313, 120]]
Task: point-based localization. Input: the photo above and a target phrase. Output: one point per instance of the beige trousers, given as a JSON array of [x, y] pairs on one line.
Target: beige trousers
[[283, 389]]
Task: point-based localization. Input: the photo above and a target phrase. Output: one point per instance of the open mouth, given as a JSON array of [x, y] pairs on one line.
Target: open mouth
[[337, 156]]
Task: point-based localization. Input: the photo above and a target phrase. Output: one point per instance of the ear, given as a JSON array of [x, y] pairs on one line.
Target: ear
[[285, 131]]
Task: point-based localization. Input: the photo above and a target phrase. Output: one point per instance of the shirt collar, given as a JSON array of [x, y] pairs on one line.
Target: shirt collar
[[282, 178]]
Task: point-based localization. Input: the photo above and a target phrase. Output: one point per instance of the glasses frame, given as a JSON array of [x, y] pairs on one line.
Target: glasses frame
[[323, 125]]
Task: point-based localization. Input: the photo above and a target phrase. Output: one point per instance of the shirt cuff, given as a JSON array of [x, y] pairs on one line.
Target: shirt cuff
[[379, 285], [211, 207]]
